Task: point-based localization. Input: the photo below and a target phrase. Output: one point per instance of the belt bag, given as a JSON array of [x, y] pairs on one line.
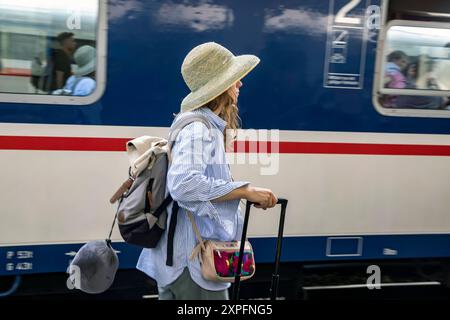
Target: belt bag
[[219, 259]]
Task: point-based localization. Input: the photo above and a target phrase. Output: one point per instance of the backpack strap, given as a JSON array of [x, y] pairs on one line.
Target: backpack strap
[[179, 125], [162, 206], [171, 234], [175, 129]]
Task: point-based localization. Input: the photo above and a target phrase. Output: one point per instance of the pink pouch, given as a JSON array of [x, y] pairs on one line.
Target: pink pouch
[[219, 259]]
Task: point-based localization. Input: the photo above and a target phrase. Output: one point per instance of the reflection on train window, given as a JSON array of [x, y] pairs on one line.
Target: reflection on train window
[[416, 68], [48, 47]]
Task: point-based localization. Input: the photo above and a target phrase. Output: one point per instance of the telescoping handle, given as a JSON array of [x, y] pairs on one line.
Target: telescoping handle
[[275, 276]]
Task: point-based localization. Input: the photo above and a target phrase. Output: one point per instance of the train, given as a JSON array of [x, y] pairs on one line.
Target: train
[[365, 181]]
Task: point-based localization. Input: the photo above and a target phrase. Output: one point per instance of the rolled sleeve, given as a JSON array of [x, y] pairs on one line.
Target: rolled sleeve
[[187, 183]]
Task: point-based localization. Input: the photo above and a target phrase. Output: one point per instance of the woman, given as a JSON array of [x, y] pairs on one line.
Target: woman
[[394, 77], [199, 177], [397, 63]]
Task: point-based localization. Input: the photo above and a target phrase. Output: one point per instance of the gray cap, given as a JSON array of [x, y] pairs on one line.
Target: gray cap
[[94, 267]]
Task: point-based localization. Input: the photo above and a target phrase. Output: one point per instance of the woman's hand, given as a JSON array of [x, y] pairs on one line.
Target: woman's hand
[[263, 198]]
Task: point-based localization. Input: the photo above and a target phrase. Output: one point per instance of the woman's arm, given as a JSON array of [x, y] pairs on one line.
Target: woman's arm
[[263, 197]]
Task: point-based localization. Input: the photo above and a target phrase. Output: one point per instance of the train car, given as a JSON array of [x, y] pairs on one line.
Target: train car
[[357, 142]]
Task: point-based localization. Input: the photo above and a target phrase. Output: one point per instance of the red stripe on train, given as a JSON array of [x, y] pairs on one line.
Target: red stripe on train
[[62, 143], [118, 144], [343, 148], [15, 72]]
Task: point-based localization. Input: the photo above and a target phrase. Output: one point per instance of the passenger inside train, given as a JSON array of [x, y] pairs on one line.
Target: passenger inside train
[[82, 82], [397, 62], [51, 70], [416, 58], [62, 59], [423, 102]]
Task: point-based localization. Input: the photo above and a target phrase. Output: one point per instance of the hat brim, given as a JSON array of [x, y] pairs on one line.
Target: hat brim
[[238, 69], [85, 70]]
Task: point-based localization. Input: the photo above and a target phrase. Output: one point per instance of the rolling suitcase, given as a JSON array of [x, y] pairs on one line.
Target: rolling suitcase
[[275, 275]]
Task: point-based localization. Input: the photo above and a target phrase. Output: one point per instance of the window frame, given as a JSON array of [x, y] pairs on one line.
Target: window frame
[[379, 74], [101, 48]]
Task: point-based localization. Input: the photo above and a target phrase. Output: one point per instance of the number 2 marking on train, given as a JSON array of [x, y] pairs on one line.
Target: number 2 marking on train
[[341, 15]]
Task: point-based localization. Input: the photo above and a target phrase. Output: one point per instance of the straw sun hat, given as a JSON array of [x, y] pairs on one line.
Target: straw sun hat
[[209, 70]]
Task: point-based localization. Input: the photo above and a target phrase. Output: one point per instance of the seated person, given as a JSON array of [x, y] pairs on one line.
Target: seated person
[[397, 62], [417, 102], [394, 77], [82, 83]]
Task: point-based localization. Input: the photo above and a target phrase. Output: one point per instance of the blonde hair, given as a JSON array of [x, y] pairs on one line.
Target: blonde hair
[[227, 104]]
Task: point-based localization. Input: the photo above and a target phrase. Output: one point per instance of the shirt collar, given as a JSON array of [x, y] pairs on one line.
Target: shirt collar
[[217, 121]]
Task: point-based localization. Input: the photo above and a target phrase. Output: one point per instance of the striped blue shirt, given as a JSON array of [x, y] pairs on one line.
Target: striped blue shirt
[[198, 174]]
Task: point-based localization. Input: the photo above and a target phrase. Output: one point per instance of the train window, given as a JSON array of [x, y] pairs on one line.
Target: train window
[[413, 62], [52, 51]]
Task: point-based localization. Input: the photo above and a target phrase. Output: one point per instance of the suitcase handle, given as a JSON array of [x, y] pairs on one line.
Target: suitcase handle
[[275, 275]]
